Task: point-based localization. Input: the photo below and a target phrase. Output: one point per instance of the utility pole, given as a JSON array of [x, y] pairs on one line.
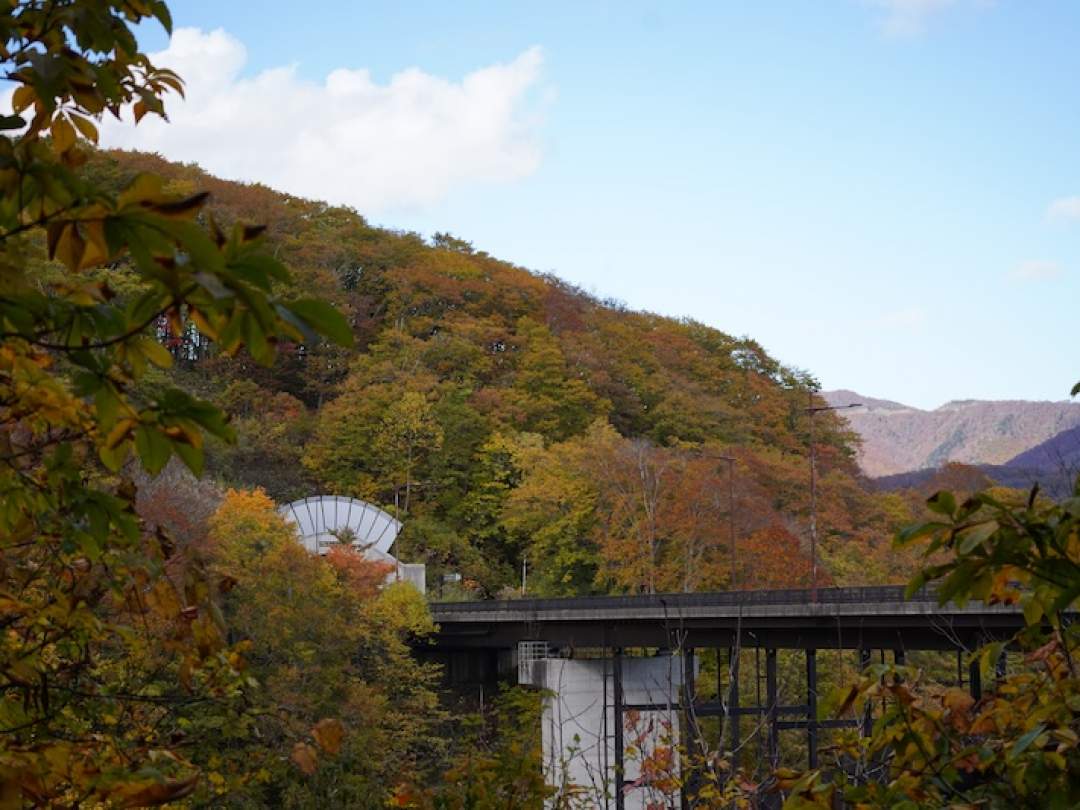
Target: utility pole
[[812, 410], [731, 512]]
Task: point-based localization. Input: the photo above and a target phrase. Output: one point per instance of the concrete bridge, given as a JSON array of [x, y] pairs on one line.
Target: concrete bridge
[[480, 643]]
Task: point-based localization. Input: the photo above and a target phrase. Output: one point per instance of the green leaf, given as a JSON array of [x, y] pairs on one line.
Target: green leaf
[[973, 537], [161, 12], [988, 658], [191, 456], [153, 448], [1067, 597], [255, 340], [957, 586], [193, 241], [212, 284], [178, 404], [909, 534], [155, 353], [108, 406], [917, 583], [944, 503], [324, 319], [1033, 609], [259, 269], [114, 457], [1025, 742]]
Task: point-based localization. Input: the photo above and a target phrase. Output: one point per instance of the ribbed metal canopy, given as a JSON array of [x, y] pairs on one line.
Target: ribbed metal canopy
[[324, 520]]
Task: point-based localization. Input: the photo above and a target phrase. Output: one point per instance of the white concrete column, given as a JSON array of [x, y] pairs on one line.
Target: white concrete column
[[578, 728]]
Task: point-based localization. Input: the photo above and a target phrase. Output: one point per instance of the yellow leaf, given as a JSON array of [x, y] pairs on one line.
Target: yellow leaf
[[22, 98], [328, 733], [143, 189], [202, 323], [86, 127], [182, 209], [156, 353], [70, 246], [97, 248], [63, 134], [305, 757], [163, 598], [957, 700], [154, 793], [120, 432], [11, 606], [58, 754]]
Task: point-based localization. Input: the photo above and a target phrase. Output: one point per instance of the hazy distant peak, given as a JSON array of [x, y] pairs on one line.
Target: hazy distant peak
[[843, 396], [898, 438], [953, 404]]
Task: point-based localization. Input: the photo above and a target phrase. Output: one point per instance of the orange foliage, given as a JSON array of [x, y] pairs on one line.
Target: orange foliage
[[363, 576], [773, 558]]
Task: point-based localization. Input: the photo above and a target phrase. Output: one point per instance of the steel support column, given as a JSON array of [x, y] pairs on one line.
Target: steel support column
[[811, 709], [617, 690], [733, 708], [772, 703], [689, 702], [868, 709]]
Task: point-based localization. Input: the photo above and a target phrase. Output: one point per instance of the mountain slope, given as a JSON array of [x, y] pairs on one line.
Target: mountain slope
[[897, 438], [505, 415], [1058, 453]]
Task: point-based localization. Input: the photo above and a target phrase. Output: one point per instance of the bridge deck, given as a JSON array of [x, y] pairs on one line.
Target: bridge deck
[[841, 618]]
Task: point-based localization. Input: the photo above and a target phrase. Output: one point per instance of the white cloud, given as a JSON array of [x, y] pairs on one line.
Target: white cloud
[[347, 139], [1037, 270], [1067, 208], [909, 17]]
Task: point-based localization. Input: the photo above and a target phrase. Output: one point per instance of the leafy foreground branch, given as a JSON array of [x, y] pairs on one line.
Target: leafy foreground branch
[[114, 657], [935, 747]]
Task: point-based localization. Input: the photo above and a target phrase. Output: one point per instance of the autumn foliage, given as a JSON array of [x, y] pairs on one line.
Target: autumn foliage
[[167, 639], [474, 408], [328, 646]]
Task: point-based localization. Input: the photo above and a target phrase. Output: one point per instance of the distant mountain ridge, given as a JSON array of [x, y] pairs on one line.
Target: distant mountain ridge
[[898, 438], [1061, 451]]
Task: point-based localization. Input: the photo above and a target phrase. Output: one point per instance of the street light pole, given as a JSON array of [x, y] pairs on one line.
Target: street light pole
[[812, 410], [813, 507], [731, 513]]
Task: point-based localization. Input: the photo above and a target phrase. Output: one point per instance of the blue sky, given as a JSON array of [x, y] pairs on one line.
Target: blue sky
[[879, 191]]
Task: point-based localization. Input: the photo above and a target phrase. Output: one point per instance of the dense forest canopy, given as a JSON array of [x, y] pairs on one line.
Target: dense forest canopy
[[505, 415]]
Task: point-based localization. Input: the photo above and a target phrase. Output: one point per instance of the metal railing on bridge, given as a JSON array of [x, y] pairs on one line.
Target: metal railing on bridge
[[790, 596]]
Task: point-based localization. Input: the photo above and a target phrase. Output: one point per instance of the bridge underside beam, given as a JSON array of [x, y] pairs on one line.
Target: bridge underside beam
[[949, 633]]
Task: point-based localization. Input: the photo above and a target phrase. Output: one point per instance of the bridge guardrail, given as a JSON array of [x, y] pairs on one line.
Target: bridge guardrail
[[791, 596]]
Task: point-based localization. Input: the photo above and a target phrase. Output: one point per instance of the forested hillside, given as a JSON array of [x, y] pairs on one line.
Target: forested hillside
[[507, 415]]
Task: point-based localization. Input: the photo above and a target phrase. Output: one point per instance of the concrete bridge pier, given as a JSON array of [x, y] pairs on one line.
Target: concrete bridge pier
[[610, 725]]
